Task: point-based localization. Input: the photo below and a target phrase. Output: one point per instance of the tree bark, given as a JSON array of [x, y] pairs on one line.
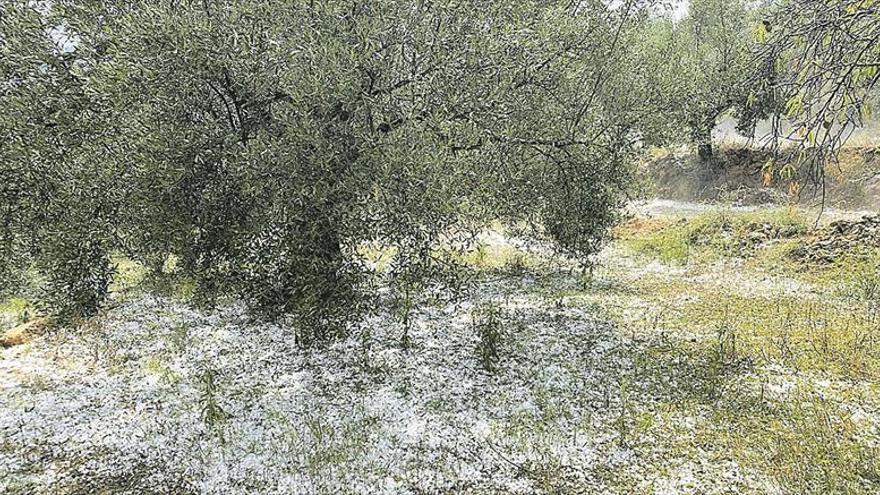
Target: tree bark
[[702, 137], [705, 151]]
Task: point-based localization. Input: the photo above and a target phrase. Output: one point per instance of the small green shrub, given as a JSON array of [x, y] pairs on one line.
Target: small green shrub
[[212, 414], [488, 324]]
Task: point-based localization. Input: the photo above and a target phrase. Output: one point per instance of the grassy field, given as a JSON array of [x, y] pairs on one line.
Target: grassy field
[[698, 356], [781, 357]]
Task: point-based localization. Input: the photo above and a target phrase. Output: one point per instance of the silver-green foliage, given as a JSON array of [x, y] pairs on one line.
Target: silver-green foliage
[[697, 69], [261, 142], [827, 55]]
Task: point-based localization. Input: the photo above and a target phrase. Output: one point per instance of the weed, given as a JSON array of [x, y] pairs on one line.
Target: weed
[[621, 423], [487, 321], [180, 336], [480, 255], [518, 263], [212, 414], [726, 339], [404, 311], [333, 446], [723, 355]]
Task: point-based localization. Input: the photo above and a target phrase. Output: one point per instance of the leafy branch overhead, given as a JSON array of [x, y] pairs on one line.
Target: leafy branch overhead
[[827, 57]]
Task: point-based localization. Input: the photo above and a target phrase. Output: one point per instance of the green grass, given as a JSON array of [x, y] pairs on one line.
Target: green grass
[[811, 446], [728, 322], [15, 311], [802, 334], [714, 235], [807, 441]]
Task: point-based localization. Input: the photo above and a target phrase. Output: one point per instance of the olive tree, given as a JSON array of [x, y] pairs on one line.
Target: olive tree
[[262, 143], [698, 68], [54, 185]]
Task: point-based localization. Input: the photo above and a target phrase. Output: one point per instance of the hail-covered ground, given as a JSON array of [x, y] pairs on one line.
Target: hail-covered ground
[[613, 384]]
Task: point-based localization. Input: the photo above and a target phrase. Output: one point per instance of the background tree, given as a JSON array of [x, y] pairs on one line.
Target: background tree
[[697, 69]]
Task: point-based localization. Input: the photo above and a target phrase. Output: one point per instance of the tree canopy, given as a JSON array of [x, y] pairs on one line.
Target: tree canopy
[[258, 144], [697, 68], [254, 148]]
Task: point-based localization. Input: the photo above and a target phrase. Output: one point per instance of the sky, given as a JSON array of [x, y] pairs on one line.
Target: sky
[[681, 9]]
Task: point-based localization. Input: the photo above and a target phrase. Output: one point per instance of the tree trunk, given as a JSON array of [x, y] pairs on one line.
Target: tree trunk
[[702, 136], [704, 151]]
